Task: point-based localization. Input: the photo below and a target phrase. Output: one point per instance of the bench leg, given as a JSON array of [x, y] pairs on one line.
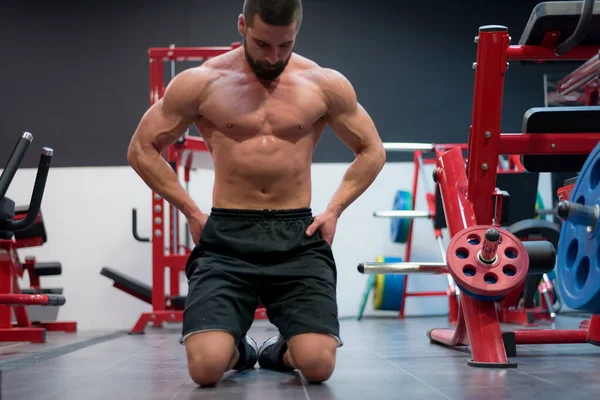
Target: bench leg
[[57, 326], [33, 335], [157, 318]]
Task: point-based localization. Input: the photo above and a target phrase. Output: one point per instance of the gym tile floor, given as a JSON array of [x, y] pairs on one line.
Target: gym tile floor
[[381, 359]]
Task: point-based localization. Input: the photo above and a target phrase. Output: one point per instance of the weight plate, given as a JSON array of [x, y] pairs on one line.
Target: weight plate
[[400, 227], [482, 280], [389, 288], [578, 264]]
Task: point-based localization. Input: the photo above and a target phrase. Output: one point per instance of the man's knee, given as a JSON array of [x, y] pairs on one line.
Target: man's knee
[[315, 359], [205, 372], [209, 357]]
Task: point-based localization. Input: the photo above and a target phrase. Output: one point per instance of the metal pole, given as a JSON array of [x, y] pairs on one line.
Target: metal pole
[[434, 268], [407, 214], [423, 175], [408, 147], [440, 242]]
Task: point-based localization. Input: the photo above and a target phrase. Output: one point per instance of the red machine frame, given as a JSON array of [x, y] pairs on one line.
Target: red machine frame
[[13, 300], [173, 259], [514, 166], [469, 201]]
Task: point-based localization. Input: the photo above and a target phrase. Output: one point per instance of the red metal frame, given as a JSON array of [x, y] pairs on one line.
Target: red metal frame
[[514, 166], [179, 156], [12, 300], [469, 201]]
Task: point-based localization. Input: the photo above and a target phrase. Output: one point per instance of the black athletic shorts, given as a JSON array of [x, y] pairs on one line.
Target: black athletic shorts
[[247, 256]]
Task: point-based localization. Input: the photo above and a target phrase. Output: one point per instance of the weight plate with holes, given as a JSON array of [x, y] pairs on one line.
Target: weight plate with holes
[[578, 252], [389, 288], [487, 281], [400, 227]]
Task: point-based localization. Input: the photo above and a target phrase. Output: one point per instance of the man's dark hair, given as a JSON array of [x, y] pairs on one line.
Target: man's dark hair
[[273, 12]]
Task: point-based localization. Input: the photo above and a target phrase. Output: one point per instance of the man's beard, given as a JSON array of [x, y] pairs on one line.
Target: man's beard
[[264, 69]]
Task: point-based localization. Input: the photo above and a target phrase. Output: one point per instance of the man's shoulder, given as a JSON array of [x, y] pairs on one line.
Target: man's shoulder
[[335, 88], [210, 70], [308, 66]]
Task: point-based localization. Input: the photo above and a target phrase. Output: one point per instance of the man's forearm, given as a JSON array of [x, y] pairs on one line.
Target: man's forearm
[[359, 176], [162, 179]]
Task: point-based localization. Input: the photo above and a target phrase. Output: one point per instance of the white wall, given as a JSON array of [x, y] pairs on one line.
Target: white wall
[[87, 212]]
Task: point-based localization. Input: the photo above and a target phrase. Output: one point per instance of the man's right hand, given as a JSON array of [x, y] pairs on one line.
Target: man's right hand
[[197, 222]]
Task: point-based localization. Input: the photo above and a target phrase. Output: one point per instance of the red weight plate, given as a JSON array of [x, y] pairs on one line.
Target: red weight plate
[[504, 274]]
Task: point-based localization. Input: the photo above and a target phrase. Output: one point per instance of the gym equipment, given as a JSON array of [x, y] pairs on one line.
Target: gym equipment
[[475, 204], [168, 250], [401, 226], [512, 177], [24, 229], [388, 290], [404, 215], [578, 248], [524, 305]]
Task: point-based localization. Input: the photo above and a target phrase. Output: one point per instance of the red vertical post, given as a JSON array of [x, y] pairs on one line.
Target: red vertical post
[[481, 318], [158, 205], [593, 334], [484, 137], [174, 159], [451, 176], [6, 281], [407, 253]]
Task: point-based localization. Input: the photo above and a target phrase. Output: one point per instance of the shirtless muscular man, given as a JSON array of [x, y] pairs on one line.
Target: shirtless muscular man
[[261, 108]]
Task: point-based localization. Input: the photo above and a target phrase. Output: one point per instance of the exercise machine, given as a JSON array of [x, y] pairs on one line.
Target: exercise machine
[[520, 205], [169, 251], [486, 261], [19, 228]]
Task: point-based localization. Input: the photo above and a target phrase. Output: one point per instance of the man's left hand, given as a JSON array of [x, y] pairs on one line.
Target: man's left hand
[[326, 223]]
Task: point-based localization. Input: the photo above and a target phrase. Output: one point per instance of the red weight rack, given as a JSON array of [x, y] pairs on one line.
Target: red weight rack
[[469, 193], [419, 161]]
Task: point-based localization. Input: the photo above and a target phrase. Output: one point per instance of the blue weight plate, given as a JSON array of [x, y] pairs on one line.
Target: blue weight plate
[[400, 227], [393, 289], [578, 261]]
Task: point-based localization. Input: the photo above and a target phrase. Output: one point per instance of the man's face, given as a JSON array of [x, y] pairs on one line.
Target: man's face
[[268, 48]]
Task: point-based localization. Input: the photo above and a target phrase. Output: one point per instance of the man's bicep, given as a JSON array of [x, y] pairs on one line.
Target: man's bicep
[[354, 128], [170, 117], [161, 126]]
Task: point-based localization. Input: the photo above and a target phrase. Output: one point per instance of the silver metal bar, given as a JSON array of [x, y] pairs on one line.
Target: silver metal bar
[[549, 304], [546, 295], [172, 64], [423, 175], [580, 77], [545, 212], [407, 214], [188, 243], [408, 147], [451, 283], [434, 268], [440, 242]]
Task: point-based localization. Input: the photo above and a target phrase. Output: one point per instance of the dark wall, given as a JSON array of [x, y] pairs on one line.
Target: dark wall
[[75, 74]]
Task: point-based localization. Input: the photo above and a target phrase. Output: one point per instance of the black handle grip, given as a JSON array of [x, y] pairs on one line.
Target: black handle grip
[[15, 159], [134, 227], [38, 193], [585, 20], [542, 256]]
